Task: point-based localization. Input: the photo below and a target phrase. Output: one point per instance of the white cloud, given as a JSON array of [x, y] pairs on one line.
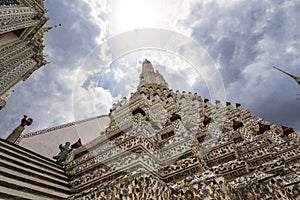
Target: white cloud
[[91, 102], [99, 8], [246, 39]]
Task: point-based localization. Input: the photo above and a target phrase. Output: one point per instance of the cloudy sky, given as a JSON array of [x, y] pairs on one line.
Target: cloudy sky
[[96, 57]]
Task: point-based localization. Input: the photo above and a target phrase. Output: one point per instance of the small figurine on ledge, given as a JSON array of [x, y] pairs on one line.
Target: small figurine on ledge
[[65, 150]]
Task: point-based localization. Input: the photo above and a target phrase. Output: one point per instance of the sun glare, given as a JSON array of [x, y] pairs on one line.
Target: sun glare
[[135, 14]]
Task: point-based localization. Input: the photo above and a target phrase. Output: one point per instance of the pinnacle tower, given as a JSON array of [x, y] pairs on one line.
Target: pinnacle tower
[[149, 76], [162, 144]]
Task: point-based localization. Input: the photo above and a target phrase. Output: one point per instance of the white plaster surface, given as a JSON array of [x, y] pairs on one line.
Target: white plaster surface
[[46, 143]]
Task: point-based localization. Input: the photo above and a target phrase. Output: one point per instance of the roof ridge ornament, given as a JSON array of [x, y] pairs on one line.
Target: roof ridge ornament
[[296, 78]]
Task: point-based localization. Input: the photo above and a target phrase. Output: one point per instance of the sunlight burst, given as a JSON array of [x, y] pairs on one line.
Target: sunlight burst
[[135, 14]]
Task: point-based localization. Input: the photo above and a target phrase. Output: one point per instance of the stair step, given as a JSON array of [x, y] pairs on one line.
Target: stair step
[[13, 194], [7, 172], [6, 162], [30, 159], [25, 151], [15, 184], [35, 174]]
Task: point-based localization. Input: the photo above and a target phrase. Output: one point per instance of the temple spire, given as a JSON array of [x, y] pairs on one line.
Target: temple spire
[[147, 67], [150, 76]]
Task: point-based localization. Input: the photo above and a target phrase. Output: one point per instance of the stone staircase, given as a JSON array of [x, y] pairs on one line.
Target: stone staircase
[[27, 175]]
